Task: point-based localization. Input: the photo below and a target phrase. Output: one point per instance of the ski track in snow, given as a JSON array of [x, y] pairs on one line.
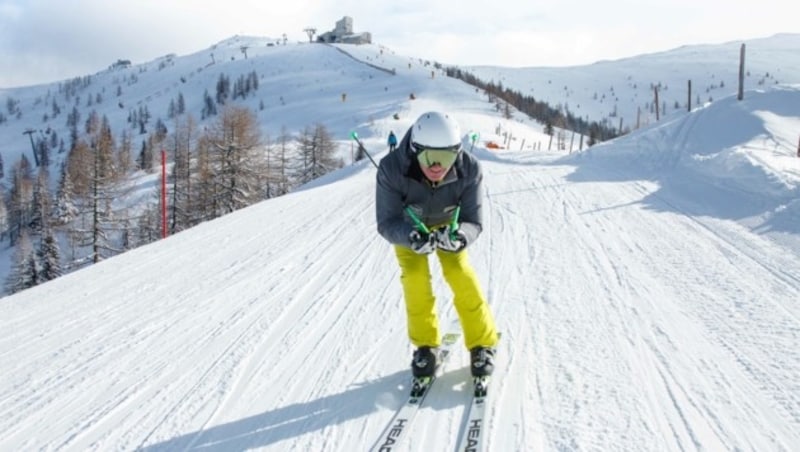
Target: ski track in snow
[[625, 327], [610, 323]]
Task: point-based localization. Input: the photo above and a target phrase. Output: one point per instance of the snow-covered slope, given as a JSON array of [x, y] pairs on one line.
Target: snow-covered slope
[[621, 92], [632, 319], [300, 85]]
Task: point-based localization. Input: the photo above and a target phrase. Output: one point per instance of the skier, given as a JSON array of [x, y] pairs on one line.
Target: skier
[[392, 141], [421, 187]]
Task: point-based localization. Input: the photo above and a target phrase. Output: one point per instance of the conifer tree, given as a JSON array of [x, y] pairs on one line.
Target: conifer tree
[[182, 141], [96, 228], [279, 162], [3, 214], [49, 256], [124, 153], [209, 107], [40, 212], [105, 150], [237, 159], [181, 107], [146, 156], [203, 196], [24, 273], [316, 154], [78, 166], [65, 209], [20, 199]]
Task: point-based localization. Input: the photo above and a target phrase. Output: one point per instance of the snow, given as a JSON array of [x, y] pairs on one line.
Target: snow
[[646, 289]]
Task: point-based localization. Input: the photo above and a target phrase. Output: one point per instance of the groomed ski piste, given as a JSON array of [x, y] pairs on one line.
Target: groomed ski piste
[[646, 290]]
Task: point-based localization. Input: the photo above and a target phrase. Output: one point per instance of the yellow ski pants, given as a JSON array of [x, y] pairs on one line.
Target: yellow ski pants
[[476, 318]]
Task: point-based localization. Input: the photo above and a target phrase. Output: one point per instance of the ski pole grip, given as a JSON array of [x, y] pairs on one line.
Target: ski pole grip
[[417, 222]]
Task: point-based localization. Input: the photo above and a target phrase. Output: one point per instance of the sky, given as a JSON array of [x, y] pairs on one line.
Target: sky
[[646, 290], [48, 40]]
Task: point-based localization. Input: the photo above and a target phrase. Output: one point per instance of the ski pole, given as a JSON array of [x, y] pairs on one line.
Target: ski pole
[[354, 135], [454, 222], [420, 225], [473, 138]]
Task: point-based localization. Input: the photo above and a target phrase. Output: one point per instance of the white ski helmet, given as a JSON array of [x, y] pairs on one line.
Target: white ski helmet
[[435, 130]]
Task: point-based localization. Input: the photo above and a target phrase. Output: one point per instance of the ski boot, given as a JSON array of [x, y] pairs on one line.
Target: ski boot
[[423, 368], [482, 361]]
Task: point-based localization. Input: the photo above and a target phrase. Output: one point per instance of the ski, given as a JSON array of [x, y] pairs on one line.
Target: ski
[[473, 428], [397, 429]]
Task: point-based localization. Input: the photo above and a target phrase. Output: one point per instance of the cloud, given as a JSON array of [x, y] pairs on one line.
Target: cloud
[[57, 40], [47, 40]]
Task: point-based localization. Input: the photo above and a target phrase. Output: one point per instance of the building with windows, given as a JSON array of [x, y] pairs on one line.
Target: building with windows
[[343, 33]]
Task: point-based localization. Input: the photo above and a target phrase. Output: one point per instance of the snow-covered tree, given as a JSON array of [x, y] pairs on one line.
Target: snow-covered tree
[[182, 141], [236, 158], [24, 268], [42, 204], [3, 214], [49, 257], [316, 154], [65, 209]]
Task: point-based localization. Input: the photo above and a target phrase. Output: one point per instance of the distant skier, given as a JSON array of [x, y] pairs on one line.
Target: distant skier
[[392, 141], [422, 186]]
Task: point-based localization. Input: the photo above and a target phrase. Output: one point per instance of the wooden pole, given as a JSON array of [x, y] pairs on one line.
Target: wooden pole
[[655, 89], [741, 73], [689, 99], [163, 194]]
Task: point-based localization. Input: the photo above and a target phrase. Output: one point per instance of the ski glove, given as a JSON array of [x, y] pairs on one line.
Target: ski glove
[[422, 243], [450, 240]]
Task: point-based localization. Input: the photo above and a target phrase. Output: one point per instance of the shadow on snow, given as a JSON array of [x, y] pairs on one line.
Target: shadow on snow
[[296, 420]]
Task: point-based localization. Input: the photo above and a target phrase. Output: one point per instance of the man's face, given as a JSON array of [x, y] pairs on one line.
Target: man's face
[[435, 173], [435, 163]]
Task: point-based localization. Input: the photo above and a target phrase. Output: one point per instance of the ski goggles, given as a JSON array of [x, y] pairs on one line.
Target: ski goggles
[[429, 157]]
